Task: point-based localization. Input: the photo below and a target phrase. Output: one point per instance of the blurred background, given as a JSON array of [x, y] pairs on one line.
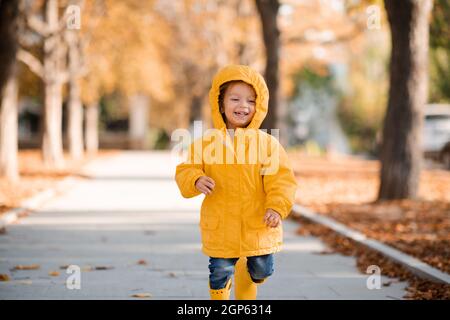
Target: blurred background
[[130, 72]]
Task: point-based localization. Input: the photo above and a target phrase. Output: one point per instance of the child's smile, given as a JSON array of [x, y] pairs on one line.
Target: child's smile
[[241, 114]]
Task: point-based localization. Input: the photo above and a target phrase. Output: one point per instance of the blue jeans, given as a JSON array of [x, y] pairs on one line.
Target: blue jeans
[[221, 269]]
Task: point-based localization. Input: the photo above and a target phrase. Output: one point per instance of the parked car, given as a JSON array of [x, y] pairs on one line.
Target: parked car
[[436, 133]]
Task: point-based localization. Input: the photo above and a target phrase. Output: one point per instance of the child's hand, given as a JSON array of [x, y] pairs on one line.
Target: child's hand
[[272, 218], [205, 185]]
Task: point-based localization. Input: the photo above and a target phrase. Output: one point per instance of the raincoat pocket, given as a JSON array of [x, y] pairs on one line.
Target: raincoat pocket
[[261, 235], [210, 231], [271, 238], [209, 222]]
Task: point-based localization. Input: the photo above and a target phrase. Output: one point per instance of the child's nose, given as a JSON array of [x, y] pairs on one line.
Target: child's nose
[[245, 104]]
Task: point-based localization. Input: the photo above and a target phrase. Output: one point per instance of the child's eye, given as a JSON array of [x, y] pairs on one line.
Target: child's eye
[[234, 99], [251, 101]]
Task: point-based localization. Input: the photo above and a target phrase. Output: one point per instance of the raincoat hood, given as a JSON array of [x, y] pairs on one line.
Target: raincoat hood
[[249, 76]]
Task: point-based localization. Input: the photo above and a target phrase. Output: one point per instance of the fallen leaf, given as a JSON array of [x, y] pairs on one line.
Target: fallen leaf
[[53, 273], [142, 262], [27, 282], [4, 277], [141, 295], [324, 252], [27, 267], [103, 267]]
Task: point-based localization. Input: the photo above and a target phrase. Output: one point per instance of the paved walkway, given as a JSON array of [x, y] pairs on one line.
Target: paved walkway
[[131, 210]]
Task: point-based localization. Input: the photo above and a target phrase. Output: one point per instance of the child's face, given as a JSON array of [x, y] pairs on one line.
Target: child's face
[[239, 105]]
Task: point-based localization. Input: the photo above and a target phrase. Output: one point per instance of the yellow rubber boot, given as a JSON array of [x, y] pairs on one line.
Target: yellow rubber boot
[[221, 294], [244, 288]]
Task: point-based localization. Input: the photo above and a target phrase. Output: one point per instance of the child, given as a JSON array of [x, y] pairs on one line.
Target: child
[[244, 202]]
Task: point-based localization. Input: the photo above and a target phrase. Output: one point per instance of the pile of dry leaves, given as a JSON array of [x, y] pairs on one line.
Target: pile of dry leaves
[[345, 189], [417, 289]]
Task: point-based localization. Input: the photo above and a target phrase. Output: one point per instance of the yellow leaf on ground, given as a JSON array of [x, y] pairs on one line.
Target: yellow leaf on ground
[[27, 267], [4, 277], [141, 295]]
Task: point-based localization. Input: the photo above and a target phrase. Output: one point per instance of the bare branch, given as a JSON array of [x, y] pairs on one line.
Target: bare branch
[[62, 23], [43, 29], [31, 61], [38, 26]]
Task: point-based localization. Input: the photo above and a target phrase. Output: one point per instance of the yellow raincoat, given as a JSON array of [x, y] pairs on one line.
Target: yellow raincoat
[[231, 218]]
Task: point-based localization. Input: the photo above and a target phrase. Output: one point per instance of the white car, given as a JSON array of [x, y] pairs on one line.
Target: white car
[[436, 133]]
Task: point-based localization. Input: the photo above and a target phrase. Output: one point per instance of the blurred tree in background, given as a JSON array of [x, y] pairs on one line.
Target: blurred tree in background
[[9, 14], [335, 41], [146, 67], [362, 108], [440, 52]]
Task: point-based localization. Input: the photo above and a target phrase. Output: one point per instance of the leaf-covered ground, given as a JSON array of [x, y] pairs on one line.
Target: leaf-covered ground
[[346, 188]]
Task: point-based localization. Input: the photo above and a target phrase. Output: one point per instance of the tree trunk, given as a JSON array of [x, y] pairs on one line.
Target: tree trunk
[[8, 131], [92, 128], [8, 39], [401, 153], [138, 105], [75, 125], [268, 11], [52, 147], [8, 90]]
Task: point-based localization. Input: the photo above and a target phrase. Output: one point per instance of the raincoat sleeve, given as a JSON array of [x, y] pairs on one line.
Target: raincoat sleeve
[[189, 171], [280, 187]]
